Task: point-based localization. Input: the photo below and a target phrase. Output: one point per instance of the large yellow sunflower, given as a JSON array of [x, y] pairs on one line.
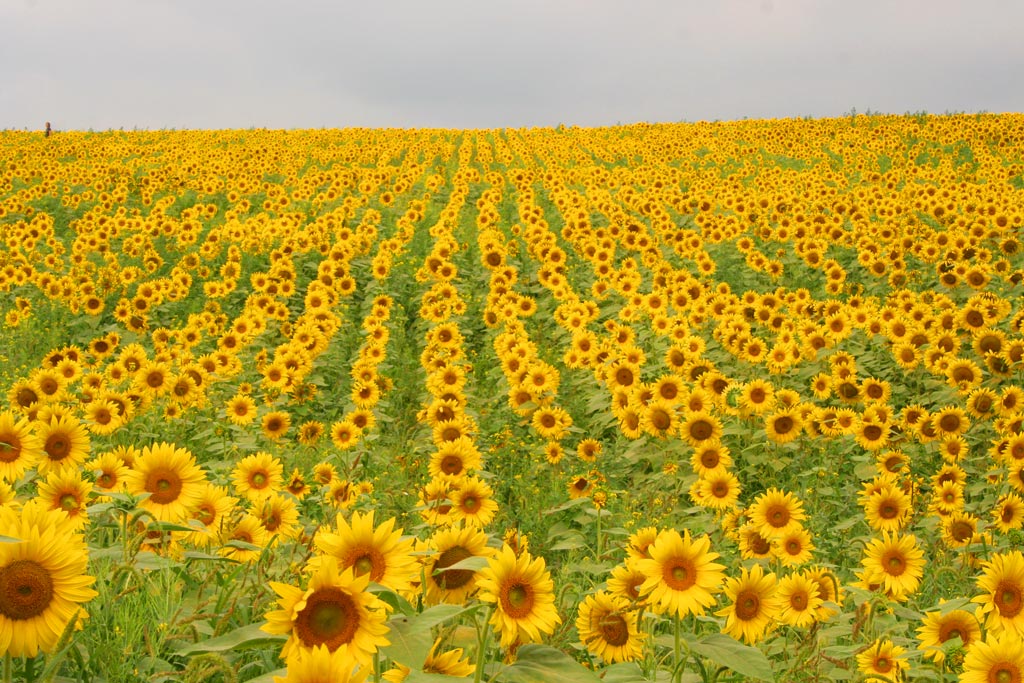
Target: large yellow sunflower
[[43, 580], [334, 610], [1002, 597], [882, 660], [320, 665], [682, 577], [997, 659], [753, 604], [776, 512], [523, 593], [799, 598], [172, 479], [607, 627], [938, 628], [20, 448], [473, 502], [379, 552]]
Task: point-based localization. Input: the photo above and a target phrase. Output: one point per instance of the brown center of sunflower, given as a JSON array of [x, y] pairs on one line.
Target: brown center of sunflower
[[205, 514], [783, 425], [660, 419], [68, 502], [872, 432], [710, 459], [777, 516], [369, 562], [517, 600], [883, 664], [720, 489], [798, 601], [701, 430], [26, 397], [450, 433], [961, 531], [895, 565], [748, 605], [258, 479], [758, 544], [164, 485], [330, 618], [1007, 597], [668, 392], [10, 447], [624, 377], [469, 503], [1005, 672], [451, 464], [452, 579], [614, 629], [106, 480], [888, 510], [949, 423], [680, 574], [155, 380], [26, 590], [58, 447]]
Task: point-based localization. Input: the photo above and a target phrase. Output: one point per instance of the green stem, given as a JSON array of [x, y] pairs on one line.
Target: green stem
[[598, 534], [483, 640], [677, 668], [376, 666], [8, 678]]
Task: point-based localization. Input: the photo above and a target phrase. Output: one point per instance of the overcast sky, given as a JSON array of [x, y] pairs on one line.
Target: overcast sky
[[494, 63]]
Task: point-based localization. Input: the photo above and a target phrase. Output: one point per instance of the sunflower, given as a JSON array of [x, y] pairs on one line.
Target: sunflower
[[341, 494], [754, 604], [433, 502], [638, 545], [960, 529], [20, 448], [296, 484], [950, 421], [473, 502], [626, 579], [800, 600], [1002, 597], [783, 426], [523, 593], [453, 459], [43, 580], [607, 627], [752, 544], [324, 473], [450, 663], [241, 409], [65, 443], [109, 471], [276, 424], [659, 418], [699, 427], [102, 417], [757, 397], [214, 507], [334, 610], [794, 547], [377, 551], [1008, 513], [999, 658], [895, 563], [776, 512], [320, 665], [451, 546], [716, 489], [882, 660], [66, 490], [587, 450], [172, 479], [681, 575], [828, 590], [887, 508], [242, 539], [551, 422], [711, 456], [257, 476], [940, 627], [279, 516], [579, 487]]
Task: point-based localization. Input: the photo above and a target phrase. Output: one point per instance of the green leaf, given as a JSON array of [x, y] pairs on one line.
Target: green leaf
[[10, 539], [473, 564], [244, 637], [623, 672], [411, 638], [424, 677], [269, 676], [544, 664], [727, 651]]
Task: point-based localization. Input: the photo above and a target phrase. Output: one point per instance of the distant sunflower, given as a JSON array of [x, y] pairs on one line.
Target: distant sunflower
[[377, 551], [335, 611], [65, 443], [279, 516], [297, 484], [66, 490], [473, 502], [776, 512], [212, 510], [626, 579], [241, 409], [682, 577], [454, 459], [887, 508], [895, 563], [716, 489], [794, 547], [276, 424], [257, 476], [1008, 513], [700, 427], [753, 604], [20, 448], [243, 539], [109, 471], [882, 659], [783, 426], [172, 479], [799, 598], [523, 594], [43, 579], [607, 627]]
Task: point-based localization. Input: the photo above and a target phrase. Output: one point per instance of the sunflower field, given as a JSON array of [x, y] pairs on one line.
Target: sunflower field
[[672, 403]]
